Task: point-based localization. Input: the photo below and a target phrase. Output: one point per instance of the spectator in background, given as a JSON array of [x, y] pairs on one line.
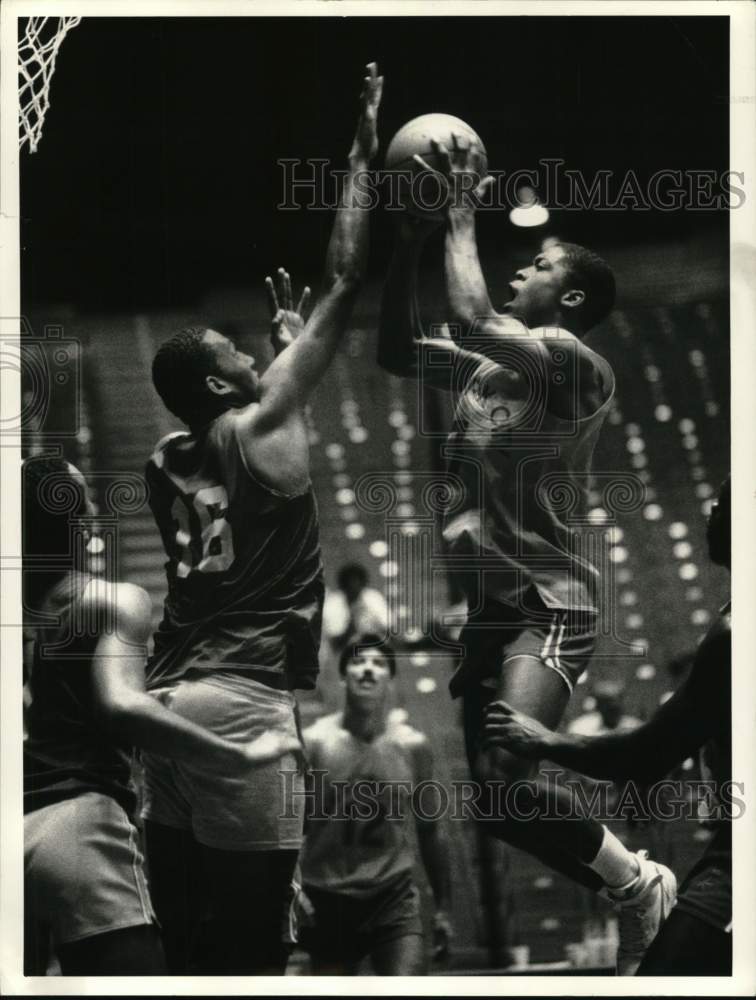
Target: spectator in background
[[354, 608], [608, 715]]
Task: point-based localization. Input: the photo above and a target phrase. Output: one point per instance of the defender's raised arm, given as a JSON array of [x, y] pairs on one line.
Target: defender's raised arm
[[296, 371]]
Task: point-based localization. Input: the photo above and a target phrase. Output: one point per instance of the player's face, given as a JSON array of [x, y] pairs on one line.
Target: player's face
[[234, 367], [537, 290], [368, 676]]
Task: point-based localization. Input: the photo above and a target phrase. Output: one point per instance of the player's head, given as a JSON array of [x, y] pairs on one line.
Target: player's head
[[54, 491], [199, 374], [367, 666], [718, 531], [566, 286], [352, 580]]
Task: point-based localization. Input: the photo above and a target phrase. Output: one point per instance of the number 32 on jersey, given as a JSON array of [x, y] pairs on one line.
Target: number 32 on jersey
[[203, 534]]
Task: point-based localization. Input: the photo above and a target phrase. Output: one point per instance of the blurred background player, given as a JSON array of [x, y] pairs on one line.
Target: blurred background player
[[696, 938], [84, 881], [354, 608], [233, 500], [532, 397], [359, 852], [609, 713]]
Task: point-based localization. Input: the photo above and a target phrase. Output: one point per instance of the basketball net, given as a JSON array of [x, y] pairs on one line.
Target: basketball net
[[37, 52]]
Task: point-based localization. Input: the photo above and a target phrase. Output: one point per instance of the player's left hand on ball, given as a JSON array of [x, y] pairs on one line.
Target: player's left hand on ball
[[505, 727], [287, 322], [442, 936], [270, 746], [365, 144]]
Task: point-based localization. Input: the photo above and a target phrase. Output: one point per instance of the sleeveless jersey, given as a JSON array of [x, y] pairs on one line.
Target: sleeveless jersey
[[245, 577], [522, 475], [66, 750], [360, 838]]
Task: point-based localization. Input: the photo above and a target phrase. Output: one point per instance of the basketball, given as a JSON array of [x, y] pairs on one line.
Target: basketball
[[425, 194]]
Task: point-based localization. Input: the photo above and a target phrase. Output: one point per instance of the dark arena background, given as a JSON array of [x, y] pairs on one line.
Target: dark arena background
[[152, 202]]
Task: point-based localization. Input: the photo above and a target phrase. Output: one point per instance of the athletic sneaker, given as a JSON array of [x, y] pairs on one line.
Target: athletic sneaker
[[642, 912]]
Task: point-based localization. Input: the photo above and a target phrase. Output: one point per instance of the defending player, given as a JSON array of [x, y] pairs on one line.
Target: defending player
[[695, 940], [84, 880], [359, 854], [236, 510], [532, 397]]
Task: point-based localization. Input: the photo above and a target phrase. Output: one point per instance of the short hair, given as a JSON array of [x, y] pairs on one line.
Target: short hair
[[369, 640], [592, 275], [351, 569], [179, 370], [51, 494]]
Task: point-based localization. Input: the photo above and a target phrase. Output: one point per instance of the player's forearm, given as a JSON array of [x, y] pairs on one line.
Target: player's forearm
[[346, 258], [466, 290], [613, 756], [434, 852], [400, 323], [143, 722]]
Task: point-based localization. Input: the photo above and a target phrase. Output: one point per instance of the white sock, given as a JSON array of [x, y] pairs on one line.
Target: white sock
[[614, 864]]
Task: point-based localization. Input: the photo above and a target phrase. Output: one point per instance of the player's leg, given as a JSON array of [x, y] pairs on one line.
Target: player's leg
[[566, 845], [248, 827], [688, 946], [177, 887], [249, 895], [84, 879], [132, 951], [401, 956], [393, 925], [577, 846], [331, 937]]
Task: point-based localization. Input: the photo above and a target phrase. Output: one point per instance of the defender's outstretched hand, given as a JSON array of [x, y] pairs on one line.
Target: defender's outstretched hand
[[365, 144], [286, 322], [515, 731]]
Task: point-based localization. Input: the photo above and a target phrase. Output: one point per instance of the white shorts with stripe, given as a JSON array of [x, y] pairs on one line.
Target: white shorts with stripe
[[562, 644]]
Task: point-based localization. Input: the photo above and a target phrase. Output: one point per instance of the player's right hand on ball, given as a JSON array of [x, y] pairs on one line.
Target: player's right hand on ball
[[365, 144], [460, 166]]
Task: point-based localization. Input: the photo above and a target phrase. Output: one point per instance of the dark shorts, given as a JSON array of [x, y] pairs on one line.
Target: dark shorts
[[346, 928], [706, 892], [563, 641]]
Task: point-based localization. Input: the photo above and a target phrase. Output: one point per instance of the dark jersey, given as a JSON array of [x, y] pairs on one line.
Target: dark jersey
[[66, 750], [245, 578], [523, 476]]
